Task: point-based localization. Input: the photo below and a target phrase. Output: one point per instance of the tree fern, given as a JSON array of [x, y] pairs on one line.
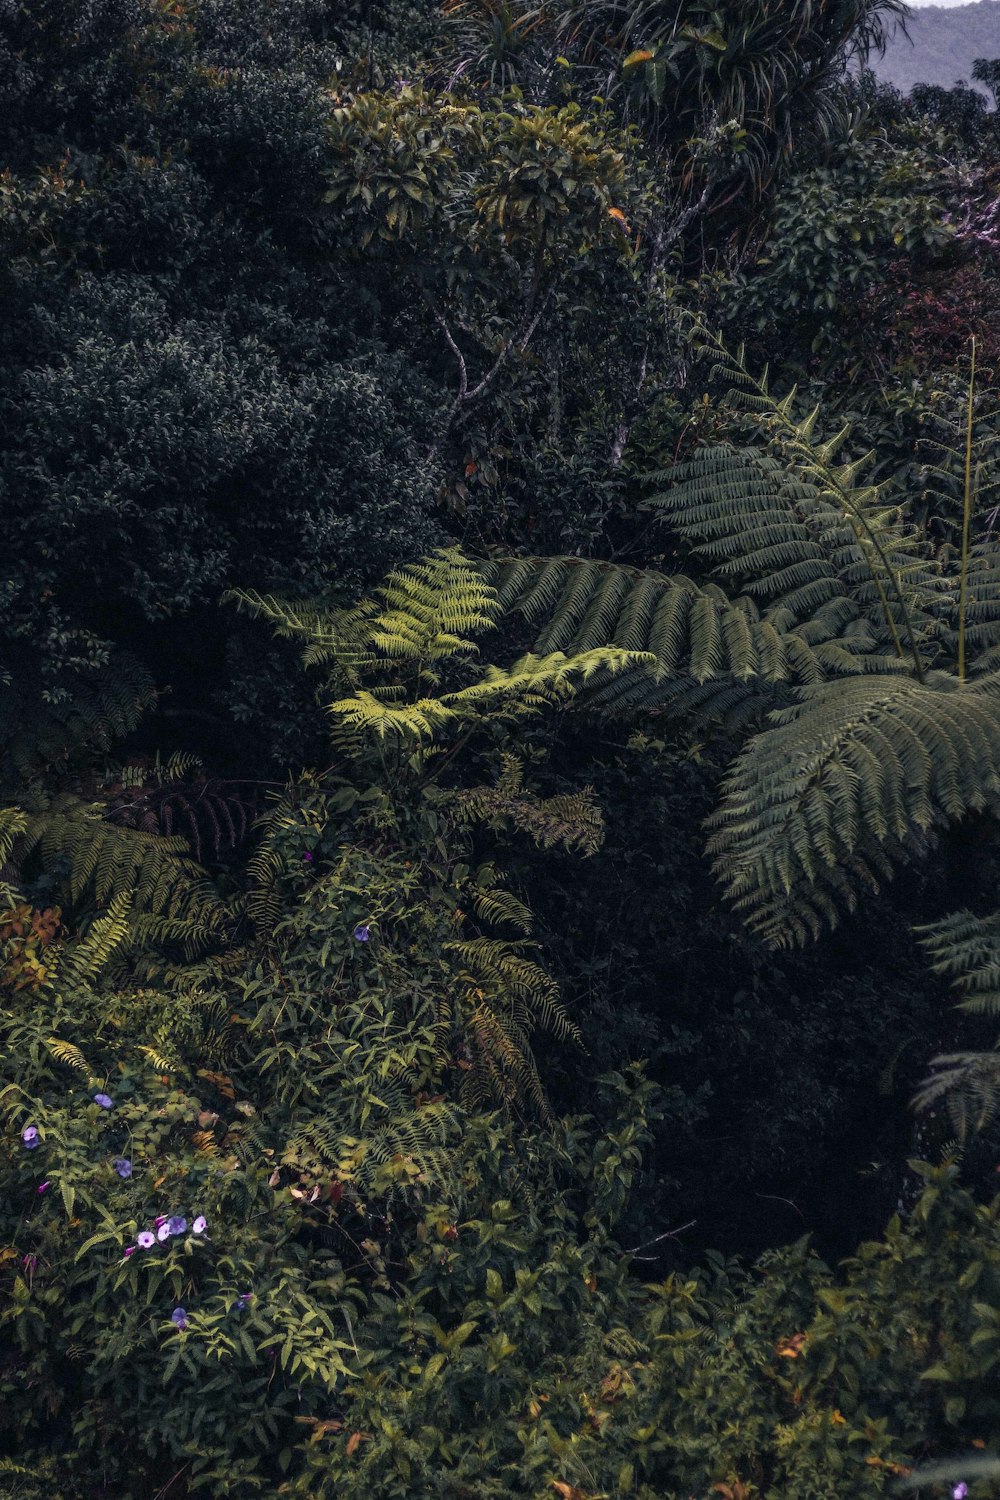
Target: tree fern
[[683, 634], [171, 898], [881, 553], [965, 950], [853, 779], [843, 628]]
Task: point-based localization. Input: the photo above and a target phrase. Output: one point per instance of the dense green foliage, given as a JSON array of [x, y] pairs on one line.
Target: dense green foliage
[[499, 754]]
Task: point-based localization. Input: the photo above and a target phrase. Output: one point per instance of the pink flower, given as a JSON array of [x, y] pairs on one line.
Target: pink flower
[[42, 1187]]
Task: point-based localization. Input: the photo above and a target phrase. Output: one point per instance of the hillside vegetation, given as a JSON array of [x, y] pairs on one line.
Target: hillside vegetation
[[939, 45], [499, 754]]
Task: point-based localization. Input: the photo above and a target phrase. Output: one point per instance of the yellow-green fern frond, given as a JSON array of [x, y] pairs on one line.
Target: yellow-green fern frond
[[336, 638], [157, 1059], [66, 1053], [372, 715], [430, 608], [542, 681], [91, 955]]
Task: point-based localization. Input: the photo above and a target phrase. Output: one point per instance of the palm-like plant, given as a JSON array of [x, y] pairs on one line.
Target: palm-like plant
[[828, 636], [768, 66]]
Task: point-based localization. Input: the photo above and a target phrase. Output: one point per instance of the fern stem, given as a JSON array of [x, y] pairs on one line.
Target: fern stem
[[966, 518]]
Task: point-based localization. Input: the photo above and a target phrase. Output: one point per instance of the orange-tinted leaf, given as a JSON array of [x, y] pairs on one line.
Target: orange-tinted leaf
[[640, 55], [322, 1428], [355, 1440], [791, 1348], [222, 1082]]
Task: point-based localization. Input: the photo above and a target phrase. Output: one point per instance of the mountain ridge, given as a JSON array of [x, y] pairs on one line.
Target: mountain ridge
[[940, 44]]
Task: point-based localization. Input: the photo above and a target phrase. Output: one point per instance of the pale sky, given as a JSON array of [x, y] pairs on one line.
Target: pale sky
[[919, 4]]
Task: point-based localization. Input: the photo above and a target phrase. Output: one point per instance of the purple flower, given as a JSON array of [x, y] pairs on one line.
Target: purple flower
[[308, 856], [129, 1250], [200, 1225], [145, 1240], [243, 1301], [176, 1225], [29, 1137], [161, 1220], [163, 1233], [29, 1262], [960, 1491], [104, 1100], [43, 1187], [123, 1167], [179, 1318], [362, 933]]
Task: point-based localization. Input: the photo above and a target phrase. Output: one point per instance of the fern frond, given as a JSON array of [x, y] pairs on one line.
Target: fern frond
[[969, 1084], [542, 681], [530, 683], [92, 954], [756, 523], [882, 561], [370, 714], [965, 950], [500, 907], [694, 633], [331, 637], [430, 607], [848, 783], [572, 820], [101, 860], [66, 1053], [214, 816], [158, 1060], [12, 826]]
